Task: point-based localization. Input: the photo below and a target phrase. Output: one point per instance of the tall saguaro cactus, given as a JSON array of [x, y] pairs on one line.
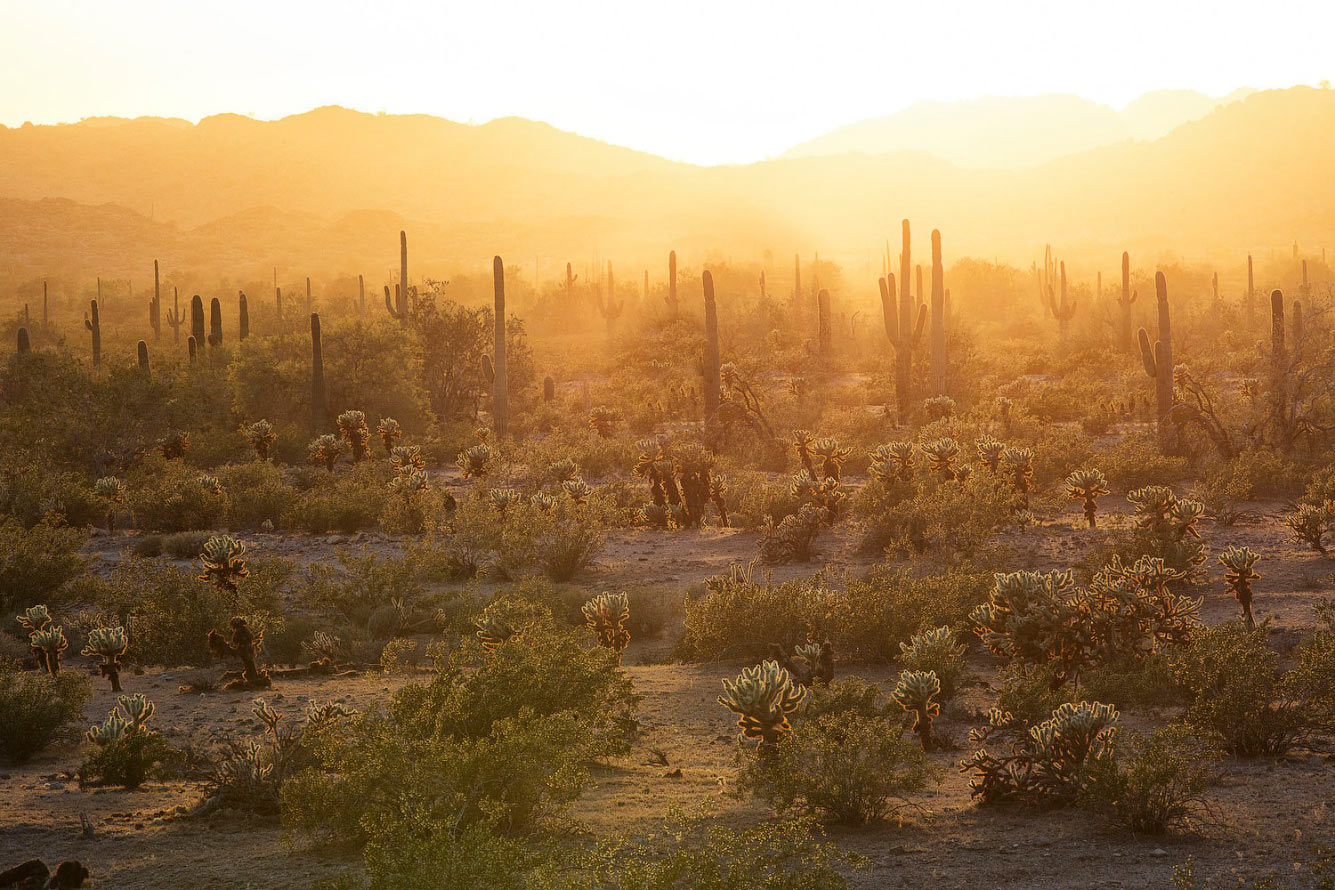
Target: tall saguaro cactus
[[500, 393], [1251, 294], [24, 344], [1124, 303], [403, 277], [243, 316], [672, 283], [46, 309], [1158, 360], [937, 340], [317, 376], [610, 308], [93, 323], [361, 295], [142, 351], [1063, 310], [901, 328], [824, 329], [197, 319], [215, 323], [712, 365], [174, 317], [155, 307]]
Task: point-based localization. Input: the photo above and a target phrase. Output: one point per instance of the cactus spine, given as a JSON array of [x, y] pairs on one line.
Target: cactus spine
[[317, 375], [1158, 361], [197, 319], [93, 322], [215, 323], [937, 340], [243, 316], [712, 383], [500, 394], [155, 307]]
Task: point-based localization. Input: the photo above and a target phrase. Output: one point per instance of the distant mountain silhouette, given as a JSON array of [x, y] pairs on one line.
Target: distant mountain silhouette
[[1013, 132], [328, 190]]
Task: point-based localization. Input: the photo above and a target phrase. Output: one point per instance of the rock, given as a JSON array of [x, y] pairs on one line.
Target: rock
[[1158, 851]]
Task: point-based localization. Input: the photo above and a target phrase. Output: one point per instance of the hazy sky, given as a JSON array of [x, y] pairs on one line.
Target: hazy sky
[[710, 81]]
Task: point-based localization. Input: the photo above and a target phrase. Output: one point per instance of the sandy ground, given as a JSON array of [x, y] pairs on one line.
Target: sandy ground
[[1262, 817]]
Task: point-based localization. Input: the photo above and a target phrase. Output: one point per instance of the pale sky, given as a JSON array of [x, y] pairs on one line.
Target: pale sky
[[707, 81]]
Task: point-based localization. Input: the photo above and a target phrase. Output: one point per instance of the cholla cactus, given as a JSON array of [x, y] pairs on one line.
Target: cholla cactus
[[1050, 762], [606, 615], [261, 436], [1004, 409], [475, 462], [390, 433], [50, 642], [325, 451], [244, 645], [137, 711], [653, 466], [544, 502], [718, 489], [175, 444], [409, 484], [406, 458], [324, 647], [566, 469], [694, 468], [935, 650], [893, 462], [494, 631], [1311, 524], [502, 499], [1089, 486], [831, 456], [578, 490], [109, 644], [223, 559], [762, 697], [211, 484], [802, 442], [112, 491], [989, 452], [1019, 464], [604, 421], [826, 494], [942, 453], [916, 693], [939, 407], [1239, 564], [352, 428], [655, 516]]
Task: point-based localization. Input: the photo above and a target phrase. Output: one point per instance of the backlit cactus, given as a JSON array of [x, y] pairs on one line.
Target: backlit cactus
[[407, 457], [1240, 571], [1087, 485], [943, 454], [989, 452], [577, 490], [111, 491], [832, 456], [916, 693], [215, 323], [502, 499], [128, 719], [494, 631], [109, 644], [92, 322], [1311, 524], [712, 362], [903, 328], [197, 319], [353, 431], [317, 376], [500, 386], [324, 451], [260, 436], [1018, 463], [763, 697], [937, 339], [1158, 361], [475, 462], [938, 407], [390, 433], [1063, 309], [223, 562], [604, 421], [892, 462], [606, 615], [1050, 763], [46, 640], [802, 443], [937, 650]]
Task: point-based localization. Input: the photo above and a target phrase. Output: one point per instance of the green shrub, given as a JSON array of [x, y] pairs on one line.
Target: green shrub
[[935, 650], [951, 518], [256, 492], [360, 586], [36, 562], [344, 502], [1155, 781], [169, 496], [845, 764], [35, 707], [1135, 461]]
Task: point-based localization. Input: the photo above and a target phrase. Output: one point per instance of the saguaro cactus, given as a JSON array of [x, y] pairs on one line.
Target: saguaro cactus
[[901, 328], [46, 308], [243, 316], [310, 304], [93, 323], [174, 316], [154, 306], [24, 345], [824, 331], [215, 323], [192, 347], [1063, 310], [672, 283], [361, 295], [712, 383], [610, 308], [1124, 303], [1251, 294], [403, 277], [937, 340], [500, 393], [1158, 361], [317, 375], [142, 351], [197, 319]]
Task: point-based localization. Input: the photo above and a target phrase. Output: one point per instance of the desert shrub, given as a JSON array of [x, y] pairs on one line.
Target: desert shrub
[[1028, 693], [256, 492], [741, 615], [791, 539], [845, 764], [1313, 675], [128, 751], [1135, 462], [36, 562], [185, 545], [1236, 692], [752, 497], [169, 496], [951, 518], [35, 707], [560, 542], [360, 586], [500, 737], [343, 502], [935, 650], [1155, 780], [888, 605], [1133, 680], [33, 493]]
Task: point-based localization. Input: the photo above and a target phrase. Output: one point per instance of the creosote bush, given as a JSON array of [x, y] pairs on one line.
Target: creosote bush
[[35, 708]]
